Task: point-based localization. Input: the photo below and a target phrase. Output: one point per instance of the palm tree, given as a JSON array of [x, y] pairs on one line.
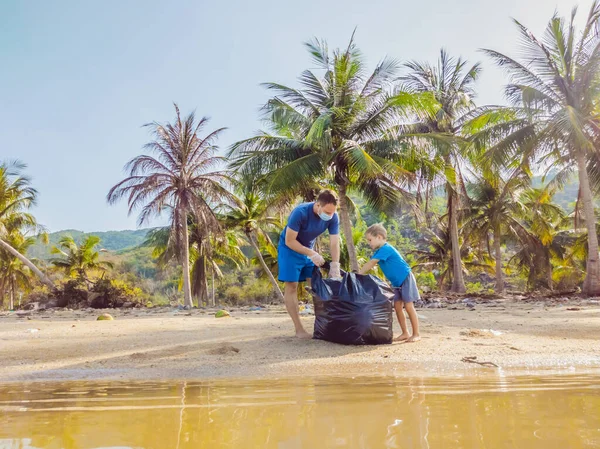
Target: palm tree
[[554, 116], [14, 274], [493, 208], [16, 197], [334, 128], [436, 253], [539, 242], [439, 132], [182, 178], [251, 215], [205, 256], [78, 260], [207, 253]]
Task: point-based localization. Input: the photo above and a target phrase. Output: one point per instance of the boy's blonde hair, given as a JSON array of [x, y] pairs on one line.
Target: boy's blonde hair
[[377, 230]]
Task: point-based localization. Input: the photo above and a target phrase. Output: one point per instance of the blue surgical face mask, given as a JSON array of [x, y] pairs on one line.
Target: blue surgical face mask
[[325, 217]]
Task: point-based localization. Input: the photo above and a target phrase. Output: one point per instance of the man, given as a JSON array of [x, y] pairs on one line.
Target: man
[[296, 256]]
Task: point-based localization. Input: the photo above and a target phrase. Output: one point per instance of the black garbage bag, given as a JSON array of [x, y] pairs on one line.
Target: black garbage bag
[[356, 310]]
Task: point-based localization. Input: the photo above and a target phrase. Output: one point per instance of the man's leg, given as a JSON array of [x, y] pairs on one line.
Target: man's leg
[[291, 304]]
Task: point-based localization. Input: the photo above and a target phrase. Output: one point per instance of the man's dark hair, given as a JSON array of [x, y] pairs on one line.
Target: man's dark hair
[[327, 197]]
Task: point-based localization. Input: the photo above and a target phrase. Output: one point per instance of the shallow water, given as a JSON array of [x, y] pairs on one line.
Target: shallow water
[[486, 412]]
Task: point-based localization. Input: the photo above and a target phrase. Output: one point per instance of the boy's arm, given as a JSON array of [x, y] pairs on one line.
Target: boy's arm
[[369, 266]]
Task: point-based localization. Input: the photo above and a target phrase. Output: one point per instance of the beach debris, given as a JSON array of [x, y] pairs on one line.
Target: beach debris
[[473, 359], [481, 333], [306, 309], [573, 308], [105, 317], [32, 331], [222, 314], [469, 303], [255, 309]]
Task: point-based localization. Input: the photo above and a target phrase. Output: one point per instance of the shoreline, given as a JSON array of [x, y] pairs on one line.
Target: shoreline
[[169, 344]]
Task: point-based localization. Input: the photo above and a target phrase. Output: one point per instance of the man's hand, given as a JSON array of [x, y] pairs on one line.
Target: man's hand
[[334, 270], [317, 259]]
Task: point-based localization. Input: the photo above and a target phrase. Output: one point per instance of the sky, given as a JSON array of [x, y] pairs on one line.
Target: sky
[[78, 79]]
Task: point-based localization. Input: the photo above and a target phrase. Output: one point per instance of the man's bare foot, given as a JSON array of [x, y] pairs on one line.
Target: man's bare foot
[[402, 337], [303, 335], [413, 339]]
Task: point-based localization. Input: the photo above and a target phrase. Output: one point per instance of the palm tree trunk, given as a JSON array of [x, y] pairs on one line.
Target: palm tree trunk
[[264, 266], [185, 260], [498, 256], [458, 282], [213, 302], [591, 284], [549, 274], [347, 228], [205, 283], [45, 279], [12, 299]]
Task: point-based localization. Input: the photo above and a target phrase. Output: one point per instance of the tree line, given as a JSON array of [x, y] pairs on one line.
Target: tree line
[[394, 138]]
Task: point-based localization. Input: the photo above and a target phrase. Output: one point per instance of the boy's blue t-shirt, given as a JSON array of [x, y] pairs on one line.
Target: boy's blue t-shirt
[[308, 225], [392, 264]]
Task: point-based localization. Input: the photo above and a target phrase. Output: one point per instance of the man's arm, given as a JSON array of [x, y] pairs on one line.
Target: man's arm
[[334, 247], [292, 243], [368, 266]]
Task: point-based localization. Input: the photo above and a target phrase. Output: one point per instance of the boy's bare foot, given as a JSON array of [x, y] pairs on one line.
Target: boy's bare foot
[[413, 339], [303, 335], [402, 337]]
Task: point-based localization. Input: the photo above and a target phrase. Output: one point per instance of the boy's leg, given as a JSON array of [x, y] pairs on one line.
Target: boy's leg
[[398, 306], [414, 321], [291, 304]]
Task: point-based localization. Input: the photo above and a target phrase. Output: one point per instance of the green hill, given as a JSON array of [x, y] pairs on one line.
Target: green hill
[[110, 240]]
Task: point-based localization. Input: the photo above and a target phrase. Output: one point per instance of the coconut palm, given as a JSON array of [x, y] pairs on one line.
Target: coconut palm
[[15, 276], [335, 128], [182, 178], [543, 223], [439, 132], [206, 257], [435, 253], [492, 210], [251, 214], [208, 254], [554, 117], [16, 198], [78, 260]]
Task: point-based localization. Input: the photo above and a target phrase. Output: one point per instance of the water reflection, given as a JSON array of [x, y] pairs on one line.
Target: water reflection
[[312, 413]]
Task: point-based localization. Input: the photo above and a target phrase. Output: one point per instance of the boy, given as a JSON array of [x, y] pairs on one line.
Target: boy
[[398, 273]]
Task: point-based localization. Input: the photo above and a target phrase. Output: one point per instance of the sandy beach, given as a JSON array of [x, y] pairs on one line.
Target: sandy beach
[[166, 343]]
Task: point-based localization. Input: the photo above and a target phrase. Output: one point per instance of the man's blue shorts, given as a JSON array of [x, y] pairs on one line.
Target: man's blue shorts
[[293, 266]]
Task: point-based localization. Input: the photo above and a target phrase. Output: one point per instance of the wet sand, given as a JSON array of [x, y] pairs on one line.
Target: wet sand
[[170, 344]]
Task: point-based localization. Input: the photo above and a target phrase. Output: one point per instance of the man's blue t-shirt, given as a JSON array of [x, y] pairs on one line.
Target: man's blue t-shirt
[[309, 225], [392, 264]]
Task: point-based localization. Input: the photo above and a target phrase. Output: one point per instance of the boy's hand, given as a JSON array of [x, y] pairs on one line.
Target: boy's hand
[[334, 270], [368, 266]]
